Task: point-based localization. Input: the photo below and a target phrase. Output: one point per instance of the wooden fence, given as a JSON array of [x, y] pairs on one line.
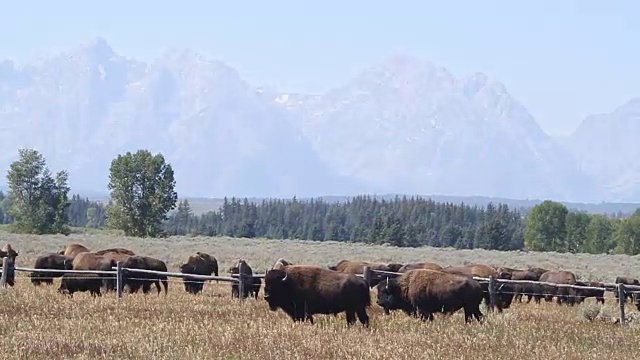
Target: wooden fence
[[243, 280]]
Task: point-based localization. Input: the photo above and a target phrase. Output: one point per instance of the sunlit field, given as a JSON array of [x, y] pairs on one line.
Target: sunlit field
[[39, 323]]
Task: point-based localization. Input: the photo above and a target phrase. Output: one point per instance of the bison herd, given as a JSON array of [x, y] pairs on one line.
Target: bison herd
[[301, 291]]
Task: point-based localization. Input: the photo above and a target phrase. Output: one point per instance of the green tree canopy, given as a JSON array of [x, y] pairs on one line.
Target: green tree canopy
[[599, 236], [628, 235], [38, 202], [546, 227], [577, 223], [142, 192]]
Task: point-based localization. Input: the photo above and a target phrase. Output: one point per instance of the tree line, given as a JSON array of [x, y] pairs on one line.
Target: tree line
[[142, 197]]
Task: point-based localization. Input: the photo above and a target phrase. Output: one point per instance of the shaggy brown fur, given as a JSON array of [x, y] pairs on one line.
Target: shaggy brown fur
[[50, 261], [116, 251], [420, 265], [505, 291], [199, 264], [136, 280], [523, 289], [357, 267], [8, 252], [74, 282], [585, 293], [252, 289], [431, 291], [280, 264], [563, 295], [302, 291], [627, 281], [73, 249]]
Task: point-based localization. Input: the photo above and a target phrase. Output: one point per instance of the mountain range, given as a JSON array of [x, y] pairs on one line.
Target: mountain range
[[405, 126]]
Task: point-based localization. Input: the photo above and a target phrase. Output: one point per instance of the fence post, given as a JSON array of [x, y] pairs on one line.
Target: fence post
[[119, 284], [367, 274], [241, 280], [492, 292], [5, 272], [621, 300]]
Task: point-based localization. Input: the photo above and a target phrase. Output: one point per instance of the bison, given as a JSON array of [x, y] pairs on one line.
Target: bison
[[520, 289], [357, 268], [198, 264], [626, 281], [504, 291], [115, 251], [136, 280], [431, 291], [302, 291], [564, 295], [74, 282], [91, 261], [253, 288], [420, 265], [10, 254], [280, 264], [582, 294], [52, 261], [72, 250]]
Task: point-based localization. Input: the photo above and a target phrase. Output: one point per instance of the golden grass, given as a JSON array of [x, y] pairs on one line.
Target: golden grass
[[39, 323]]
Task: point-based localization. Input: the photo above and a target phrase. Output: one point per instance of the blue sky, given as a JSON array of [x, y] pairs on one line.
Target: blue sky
[[562, 59]]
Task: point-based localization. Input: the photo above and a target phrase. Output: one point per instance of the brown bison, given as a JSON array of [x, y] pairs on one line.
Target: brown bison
[[10, 254], [504, 291], [52, 261], [280, 264], [302, 291], [626, 281], [198, 264], [74, 282], [356, 267], [254, 284], [520, 289], [115, 255], [420, 265], [431, 291], [72, 250], [115, 251], [564, 295], [136, 280], [582, 294], [91, 261]]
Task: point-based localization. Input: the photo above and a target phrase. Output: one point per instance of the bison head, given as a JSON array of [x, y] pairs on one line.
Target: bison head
[[390, 296], [393, 267], [505, 294], [187, 268], [277, 289], [67, 263]]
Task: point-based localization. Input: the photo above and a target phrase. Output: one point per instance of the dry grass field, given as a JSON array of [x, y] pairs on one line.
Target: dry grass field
[[39, 323]]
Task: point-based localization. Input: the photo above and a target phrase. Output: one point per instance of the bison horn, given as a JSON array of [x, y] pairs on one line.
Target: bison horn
[[285, 277]]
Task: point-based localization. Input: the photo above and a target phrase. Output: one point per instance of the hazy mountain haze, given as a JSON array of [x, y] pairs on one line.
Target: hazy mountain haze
[[265, 100]]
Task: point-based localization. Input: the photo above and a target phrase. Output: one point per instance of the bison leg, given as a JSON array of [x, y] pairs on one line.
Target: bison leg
[[363, 317], [478, 314], [351, 317], [158, 287], [165, 285]]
